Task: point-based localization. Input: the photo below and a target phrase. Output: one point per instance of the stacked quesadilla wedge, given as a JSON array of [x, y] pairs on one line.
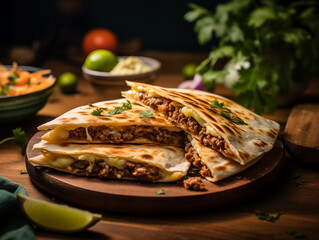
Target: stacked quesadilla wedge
[[215, 121], [116, 121], [224, 137], [212, 165], [113, 139], [154, 163]]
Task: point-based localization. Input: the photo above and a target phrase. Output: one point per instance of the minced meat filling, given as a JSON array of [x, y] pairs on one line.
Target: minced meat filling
[[102, 170], [194, 183], [127, 133], [193, 157], [189, 124]]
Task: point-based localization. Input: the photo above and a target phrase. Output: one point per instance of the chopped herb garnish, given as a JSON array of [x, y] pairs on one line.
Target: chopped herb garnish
[[296, 234], [91, 105], [147, 114], [19, 139], [216, 104], [127, 105], [23, 172], [13, 76], [265, 216], [97, 112], [160, 192], [29, 81], [118, 110], [227, 123], [4, 90], [232, 118], [297, 178]]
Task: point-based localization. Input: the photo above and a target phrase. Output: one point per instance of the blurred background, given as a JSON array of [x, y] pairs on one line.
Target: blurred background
[[33, 31]]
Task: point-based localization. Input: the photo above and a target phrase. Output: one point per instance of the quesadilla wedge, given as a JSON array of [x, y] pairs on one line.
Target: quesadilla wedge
[[212, 165], [153, 163], [215, 121], [116, 121]]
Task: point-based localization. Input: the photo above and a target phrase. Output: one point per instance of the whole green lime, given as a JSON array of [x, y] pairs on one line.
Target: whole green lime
[[101, 60], [189, 71], [67, 82]]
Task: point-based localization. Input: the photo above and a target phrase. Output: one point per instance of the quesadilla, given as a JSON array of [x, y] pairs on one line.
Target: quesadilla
[[116, 121], [153, 163], [215, 121], [212, 165]]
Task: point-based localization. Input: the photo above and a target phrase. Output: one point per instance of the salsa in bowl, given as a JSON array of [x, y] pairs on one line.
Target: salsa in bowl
[[24, 90]]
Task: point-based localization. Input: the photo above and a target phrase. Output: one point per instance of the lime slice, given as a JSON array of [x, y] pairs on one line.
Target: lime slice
[[57, 217]]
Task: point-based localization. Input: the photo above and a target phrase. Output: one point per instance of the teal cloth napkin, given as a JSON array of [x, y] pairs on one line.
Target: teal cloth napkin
[[13, 224]]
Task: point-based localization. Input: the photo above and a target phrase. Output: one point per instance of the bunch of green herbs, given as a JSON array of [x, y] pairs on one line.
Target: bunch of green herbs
[[279, 39]]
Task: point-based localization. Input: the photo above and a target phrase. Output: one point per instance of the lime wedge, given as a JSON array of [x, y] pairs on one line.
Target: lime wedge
[[56, 217]]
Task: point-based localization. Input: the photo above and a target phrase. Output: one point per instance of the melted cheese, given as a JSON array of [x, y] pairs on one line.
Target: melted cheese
[[150, 92], [188, 112], [88, 136], [212, 131], [61, 133], [166, 176], [64, 162], [58, 133], [118, 163]]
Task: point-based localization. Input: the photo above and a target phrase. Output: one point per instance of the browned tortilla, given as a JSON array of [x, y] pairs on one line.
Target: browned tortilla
[[146, 162], [240, 142], [80, 126], [212, 164]]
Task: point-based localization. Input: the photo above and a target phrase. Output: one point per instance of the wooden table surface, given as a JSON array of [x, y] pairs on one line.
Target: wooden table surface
[[299, 203]]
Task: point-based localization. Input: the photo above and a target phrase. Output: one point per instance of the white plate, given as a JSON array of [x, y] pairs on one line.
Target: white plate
[[106, 78]]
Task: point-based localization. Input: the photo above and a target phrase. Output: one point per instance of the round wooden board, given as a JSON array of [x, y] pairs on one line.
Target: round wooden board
[[133, 197]]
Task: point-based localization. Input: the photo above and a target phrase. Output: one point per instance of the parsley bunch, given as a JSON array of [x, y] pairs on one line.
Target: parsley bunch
[[278, 39]]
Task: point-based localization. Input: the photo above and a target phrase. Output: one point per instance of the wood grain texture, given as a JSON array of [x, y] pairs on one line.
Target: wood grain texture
[[301, 134], [114, 195]]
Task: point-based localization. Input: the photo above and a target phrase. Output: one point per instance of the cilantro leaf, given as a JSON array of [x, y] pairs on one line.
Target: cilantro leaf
[[118, 110], [232, 118], [91, 105], [97, 112], [4, 90], [18, 138], [296, 234], [259, 16], [23, 172], [160, 192], [13, 76], [127, 105], [147, 114], [297, 179], [265, 216], [217, 104]]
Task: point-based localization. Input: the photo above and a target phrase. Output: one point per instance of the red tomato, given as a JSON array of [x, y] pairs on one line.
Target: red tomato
[[99, 38]]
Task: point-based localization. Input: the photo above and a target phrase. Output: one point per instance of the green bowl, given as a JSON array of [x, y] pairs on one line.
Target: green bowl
[[17, 108]]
